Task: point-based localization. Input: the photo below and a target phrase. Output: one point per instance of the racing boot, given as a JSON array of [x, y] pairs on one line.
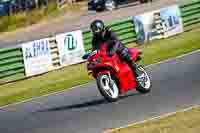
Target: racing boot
[[132, 65], [125, 55]]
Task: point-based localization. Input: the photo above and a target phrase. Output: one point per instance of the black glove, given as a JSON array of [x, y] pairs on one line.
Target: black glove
[[112, 47], [85, 56]]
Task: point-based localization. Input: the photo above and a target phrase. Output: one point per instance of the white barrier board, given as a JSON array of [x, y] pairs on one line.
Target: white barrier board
[[71, 48], [158, 24], [37, 57]]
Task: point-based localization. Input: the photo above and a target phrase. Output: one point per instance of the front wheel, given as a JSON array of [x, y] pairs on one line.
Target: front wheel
[[108, 87], [143, 80]]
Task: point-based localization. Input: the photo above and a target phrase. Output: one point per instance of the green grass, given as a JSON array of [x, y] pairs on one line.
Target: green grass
[[172, 47], [75, 75], [24, 19], [182, 122]]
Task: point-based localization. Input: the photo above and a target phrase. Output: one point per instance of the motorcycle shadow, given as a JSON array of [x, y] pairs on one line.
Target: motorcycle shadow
[[88, 104]]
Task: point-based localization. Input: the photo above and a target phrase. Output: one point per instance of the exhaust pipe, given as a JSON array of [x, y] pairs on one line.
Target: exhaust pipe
[[138, 58], [140, 52]]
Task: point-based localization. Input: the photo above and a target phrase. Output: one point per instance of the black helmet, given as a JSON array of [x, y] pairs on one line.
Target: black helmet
[[97, 27]]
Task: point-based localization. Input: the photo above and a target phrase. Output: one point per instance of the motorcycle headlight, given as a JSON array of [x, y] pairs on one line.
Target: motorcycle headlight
[[92, 64]]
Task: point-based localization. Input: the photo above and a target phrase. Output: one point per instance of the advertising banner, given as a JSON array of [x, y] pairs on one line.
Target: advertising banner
[[71, 48], [158, 24], [37, 57]]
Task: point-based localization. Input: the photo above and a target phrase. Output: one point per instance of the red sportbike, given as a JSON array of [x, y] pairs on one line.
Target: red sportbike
[[113, 76]]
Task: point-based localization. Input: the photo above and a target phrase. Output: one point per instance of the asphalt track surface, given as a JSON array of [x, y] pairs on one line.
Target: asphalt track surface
[[176, 85], [82, 20]]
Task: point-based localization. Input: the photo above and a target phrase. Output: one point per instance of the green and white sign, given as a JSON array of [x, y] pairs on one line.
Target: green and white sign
[[70, 46], [70, 42]]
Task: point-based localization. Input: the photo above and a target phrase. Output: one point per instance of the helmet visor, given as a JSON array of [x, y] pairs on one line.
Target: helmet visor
[[97, 29]]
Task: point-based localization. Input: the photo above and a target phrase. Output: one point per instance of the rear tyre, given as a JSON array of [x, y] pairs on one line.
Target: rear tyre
[[108, 87], [143, 80]]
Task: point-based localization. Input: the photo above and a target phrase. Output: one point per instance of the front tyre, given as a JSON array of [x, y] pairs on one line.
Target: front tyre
[[108, 87], [143, 80]]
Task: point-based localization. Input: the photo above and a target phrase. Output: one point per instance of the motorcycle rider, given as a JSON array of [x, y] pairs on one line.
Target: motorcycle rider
[[102, 34]]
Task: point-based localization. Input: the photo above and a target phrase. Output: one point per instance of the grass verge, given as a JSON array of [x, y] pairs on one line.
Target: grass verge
[[24, 19], [75, 75], [182, 122]]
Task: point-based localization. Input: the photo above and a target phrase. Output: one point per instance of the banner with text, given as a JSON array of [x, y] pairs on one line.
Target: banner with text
[[158, 24], [71, 48], [37, 57]]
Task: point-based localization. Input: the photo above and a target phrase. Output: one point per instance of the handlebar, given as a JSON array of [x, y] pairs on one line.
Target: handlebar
[[87, 55]]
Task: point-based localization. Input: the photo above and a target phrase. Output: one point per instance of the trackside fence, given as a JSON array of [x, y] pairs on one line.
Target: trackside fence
[[12, 66], [124, 29], [190, 14]]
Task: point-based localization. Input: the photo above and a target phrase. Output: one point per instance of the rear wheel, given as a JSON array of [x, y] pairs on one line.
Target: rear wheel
[[108, 87], [143, 80]]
